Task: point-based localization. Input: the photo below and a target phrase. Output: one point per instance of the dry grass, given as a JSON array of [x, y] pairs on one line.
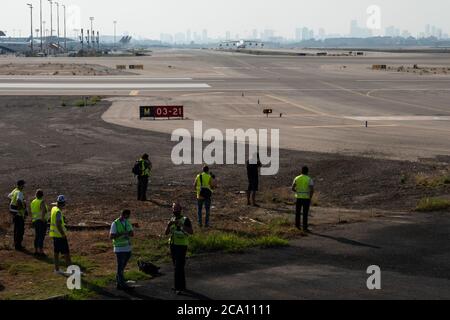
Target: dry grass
[[432, 180], [433, 204]]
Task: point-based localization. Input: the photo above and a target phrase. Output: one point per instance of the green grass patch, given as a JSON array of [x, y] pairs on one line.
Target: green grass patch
[[84, 263], [24, 268], [88, 102], [102, 246], [270, 242], [432, 181], [230, 242], [155, 250], [432, 204]]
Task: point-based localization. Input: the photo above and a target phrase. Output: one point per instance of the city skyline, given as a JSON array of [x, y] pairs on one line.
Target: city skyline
[[219, 23]]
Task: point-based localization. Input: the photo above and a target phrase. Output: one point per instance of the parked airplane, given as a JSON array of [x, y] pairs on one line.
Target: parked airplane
[[240, 44]]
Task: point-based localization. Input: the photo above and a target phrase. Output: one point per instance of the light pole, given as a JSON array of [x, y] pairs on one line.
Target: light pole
[[115, 28], [65, 35], [57, 21], [32, 37], [51, 18], [92, 27], [40, 8]]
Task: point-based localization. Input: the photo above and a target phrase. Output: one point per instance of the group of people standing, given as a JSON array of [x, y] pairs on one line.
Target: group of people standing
[[179, 228], [40, 217]]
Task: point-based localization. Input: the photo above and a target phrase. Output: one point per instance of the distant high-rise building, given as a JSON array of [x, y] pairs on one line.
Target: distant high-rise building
[[255, 34], [228, 36], [188, 36], [358, 32], [268, 34], [428, 30], [392, 32], [166, 38], [298, 34], [305, 34], [205, 36], [406, 34], [322, 34], [180, 38]]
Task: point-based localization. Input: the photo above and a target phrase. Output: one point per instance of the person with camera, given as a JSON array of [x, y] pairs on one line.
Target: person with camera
[[204, 184], [179, 228], [120, 233]]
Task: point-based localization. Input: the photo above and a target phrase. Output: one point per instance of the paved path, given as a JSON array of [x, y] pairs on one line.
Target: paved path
[[413, 253]]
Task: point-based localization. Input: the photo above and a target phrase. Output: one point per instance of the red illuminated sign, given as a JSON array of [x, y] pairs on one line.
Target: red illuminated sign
[[161, 112]]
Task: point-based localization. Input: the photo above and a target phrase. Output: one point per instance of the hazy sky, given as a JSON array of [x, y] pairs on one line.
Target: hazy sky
[[149, 18]]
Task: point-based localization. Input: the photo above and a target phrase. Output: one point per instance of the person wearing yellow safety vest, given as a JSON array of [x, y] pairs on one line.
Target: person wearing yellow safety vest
[[120, 233], [58, 232], [303, 187], [179, 228], [39, 216], [142, 171], [18, 209], [204, 184]]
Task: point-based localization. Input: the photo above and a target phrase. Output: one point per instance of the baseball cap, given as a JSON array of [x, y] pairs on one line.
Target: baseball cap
[[61, 199]]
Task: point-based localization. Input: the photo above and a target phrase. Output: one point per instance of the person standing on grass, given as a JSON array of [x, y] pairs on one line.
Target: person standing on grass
[[253, 166], [58, 232], [121, 233], [204, 184], [39, 215], [18, 209], [180, 229], [303, 186]]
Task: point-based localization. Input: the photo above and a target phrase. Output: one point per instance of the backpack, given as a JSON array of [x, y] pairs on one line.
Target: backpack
[[148, 268], [137, 168], [205, 193]]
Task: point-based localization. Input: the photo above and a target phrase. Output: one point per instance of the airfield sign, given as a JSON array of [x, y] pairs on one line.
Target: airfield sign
[[161, 112]]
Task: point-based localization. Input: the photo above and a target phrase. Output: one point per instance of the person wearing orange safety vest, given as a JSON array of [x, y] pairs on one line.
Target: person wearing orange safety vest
[[303, 186]]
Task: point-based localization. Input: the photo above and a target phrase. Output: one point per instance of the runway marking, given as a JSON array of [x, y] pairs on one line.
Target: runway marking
[[345, 126], [400, 118], [367, 95], [406, 80], [298, 105], [134, 93], [201, 93], [88, 78], [68, 86]]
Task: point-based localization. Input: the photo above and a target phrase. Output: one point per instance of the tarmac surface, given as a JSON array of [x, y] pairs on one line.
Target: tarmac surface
[[319, 103], [412, 252]]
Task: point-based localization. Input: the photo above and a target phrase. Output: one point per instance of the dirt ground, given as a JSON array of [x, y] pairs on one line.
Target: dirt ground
[[58, 69], [70, 150]]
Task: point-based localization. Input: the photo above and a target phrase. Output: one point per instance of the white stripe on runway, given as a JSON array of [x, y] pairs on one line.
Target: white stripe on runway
[[131, 86], [401, 118], [89, 78], [344, 126]]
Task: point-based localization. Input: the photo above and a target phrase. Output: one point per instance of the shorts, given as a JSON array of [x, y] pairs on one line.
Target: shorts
[[253, 185], [61, 245]]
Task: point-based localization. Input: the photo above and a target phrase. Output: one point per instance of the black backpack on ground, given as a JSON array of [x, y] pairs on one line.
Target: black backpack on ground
[[148, 268]]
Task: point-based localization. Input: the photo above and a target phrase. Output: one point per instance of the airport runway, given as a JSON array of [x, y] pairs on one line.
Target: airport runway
[[319, 104]]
